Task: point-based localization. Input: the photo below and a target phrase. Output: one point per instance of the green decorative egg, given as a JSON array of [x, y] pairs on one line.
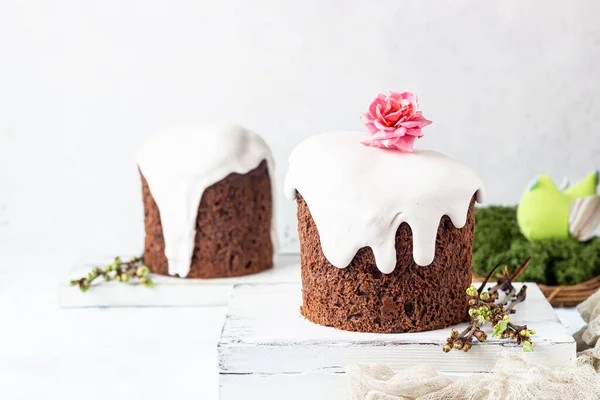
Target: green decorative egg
[[543, 212]]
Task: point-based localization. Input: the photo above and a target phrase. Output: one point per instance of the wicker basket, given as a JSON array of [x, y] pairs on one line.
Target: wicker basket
[[566, 295], [570, 295]]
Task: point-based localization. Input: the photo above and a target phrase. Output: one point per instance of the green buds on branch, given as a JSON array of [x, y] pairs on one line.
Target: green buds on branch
[[485, 307], [129, 271]]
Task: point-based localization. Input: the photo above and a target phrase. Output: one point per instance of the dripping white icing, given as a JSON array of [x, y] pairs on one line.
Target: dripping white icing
[[180, 163], [358, 196]]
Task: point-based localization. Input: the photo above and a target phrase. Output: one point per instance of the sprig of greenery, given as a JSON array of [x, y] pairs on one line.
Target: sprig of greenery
[[120, 271], [485, 307]]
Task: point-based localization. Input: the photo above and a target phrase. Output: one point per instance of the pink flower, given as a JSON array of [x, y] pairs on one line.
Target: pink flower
[[394, 121]]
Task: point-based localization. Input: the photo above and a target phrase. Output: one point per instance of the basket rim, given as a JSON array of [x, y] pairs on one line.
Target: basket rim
[[565, 295]]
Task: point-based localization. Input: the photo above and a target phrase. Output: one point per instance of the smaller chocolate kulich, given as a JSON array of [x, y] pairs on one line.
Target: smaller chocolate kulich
[[208, 202], [233, 228], [410, 299], [385, 236]]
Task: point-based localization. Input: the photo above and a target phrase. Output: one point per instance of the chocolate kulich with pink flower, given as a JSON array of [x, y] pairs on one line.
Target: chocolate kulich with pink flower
[[386, 232]]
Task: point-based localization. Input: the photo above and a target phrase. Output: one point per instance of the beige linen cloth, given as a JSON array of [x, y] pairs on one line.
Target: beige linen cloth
[[512, 377]]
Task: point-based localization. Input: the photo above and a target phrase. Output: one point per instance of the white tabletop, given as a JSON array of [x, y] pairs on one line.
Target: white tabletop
[[100, 353]]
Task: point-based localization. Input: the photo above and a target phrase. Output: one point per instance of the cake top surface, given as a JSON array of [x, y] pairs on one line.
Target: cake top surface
[[359, 195], [202, 150], [180, 163]]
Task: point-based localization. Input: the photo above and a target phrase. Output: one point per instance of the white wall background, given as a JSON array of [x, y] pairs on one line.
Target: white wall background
[[512, 86]]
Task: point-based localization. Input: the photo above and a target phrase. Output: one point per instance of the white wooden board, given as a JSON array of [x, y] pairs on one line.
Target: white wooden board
[[266, 346], [168, 291]]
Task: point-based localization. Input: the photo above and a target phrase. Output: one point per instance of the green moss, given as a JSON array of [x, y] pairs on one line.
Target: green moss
[[495, 229], [555, 261], [582, 263]]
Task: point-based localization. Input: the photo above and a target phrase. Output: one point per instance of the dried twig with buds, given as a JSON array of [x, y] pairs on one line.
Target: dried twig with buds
[[485, 307], [129, 271]]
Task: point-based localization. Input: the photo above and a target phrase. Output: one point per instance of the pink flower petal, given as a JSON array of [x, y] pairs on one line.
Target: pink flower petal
[[383, 135], [422, 120], [395, 117], [388, 108], [371, 128], [401, 131], [410, 96], [405, 143], [410, 124], [396, 95], [416, 132], [394, 103], [418, 122], [369, 141], [380, 115], [388, 143], [373, 106], [383, 127], [405, 103]]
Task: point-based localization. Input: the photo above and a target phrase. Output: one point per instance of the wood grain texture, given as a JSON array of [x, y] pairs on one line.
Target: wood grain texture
[[265, 337]]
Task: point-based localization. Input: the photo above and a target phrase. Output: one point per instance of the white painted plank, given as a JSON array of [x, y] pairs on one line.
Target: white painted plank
[[570, 318], [168, 291], [284, 387], [265, 334], [317, 386], [271, 358]]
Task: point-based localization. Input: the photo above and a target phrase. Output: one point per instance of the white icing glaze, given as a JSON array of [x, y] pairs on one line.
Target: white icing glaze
[[358, 196], [180, 163]]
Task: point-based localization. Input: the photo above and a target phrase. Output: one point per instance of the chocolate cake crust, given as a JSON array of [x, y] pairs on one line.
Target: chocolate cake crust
[[412, 298], [233, 228]]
